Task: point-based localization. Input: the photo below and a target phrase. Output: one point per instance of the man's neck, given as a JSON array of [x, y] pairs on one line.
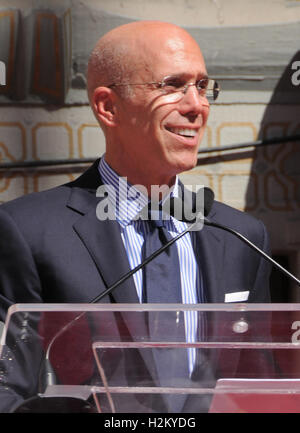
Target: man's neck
[[157, 187]]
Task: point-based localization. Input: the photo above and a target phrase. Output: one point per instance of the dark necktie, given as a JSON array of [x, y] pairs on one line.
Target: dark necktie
[[162, 284], [161, 277]]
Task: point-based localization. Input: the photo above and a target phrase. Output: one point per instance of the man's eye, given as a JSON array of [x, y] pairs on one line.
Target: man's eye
[[172, 83], [202, 84]]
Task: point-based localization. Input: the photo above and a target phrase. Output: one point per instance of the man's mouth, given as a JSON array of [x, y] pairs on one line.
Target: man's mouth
[[183, 132]]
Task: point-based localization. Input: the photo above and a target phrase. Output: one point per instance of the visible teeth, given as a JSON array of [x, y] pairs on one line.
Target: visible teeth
[[184, 131]]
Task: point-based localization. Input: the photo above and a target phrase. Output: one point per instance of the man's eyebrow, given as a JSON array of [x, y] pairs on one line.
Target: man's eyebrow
[[202, 77], [186, 76]]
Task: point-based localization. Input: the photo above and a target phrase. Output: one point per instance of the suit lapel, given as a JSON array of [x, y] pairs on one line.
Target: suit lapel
[[104, 243], [101, 238], [209, 251]]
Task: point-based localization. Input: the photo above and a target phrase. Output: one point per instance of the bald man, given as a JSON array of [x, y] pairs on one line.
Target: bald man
[[150, 138], [149, 90]]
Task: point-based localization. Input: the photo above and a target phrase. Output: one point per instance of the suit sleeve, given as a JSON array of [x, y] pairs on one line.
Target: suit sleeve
[[19, 279], [19, 283]]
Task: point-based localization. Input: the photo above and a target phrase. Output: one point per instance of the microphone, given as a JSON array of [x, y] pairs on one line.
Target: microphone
[[208, 200], [47, 375], [200, 203]]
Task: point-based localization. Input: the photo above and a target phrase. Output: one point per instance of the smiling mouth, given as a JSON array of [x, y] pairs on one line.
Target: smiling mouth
[[183, 132]]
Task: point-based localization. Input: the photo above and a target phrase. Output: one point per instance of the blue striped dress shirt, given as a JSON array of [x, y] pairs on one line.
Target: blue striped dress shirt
[[133, 232]]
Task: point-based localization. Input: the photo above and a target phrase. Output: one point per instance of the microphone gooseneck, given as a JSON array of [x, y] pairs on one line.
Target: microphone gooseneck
[[253, 246], [208, 201]]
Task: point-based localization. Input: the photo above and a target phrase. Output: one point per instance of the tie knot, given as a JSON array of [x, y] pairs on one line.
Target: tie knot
[[155, 218]]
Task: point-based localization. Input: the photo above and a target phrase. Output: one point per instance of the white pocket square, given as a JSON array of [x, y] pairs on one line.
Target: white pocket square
[[237, 296]]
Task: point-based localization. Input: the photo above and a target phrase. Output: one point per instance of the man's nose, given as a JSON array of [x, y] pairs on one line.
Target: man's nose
[[192, 102]]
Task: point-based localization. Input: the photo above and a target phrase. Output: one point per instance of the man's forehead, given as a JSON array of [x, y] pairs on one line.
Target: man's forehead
[[172, 57], [168, 42], [154, 50], [181, 43]]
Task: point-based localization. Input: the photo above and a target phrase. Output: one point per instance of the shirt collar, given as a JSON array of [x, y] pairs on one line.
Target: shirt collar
[[126, 199]]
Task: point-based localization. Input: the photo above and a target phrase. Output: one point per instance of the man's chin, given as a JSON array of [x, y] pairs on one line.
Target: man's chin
[[186, 164]]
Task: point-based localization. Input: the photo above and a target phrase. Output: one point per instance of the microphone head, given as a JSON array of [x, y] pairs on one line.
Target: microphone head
[[201, 203], [209, 197]]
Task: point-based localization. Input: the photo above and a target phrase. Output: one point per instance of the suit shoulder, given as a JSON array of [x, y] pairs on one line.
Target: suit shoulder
[[53, 198], [234, 218], [37, 201]]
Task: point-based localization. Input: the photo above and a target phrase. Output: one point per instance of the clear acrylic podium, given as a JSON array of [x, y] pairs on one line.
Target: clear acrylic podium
[[147, 359]]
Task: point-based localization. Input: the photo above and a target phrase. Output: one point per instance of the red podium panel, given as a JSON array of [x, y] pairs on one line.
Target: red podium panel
[[256, 396]]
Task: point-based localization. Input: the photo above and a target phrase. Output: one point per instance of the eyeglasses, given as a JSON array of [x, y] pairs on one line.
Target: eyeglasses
[[207, 87]]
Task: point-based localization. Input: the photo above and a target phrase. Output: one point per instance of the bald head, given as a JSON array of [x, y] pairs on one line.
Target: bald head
[[151, 135], [129, 48]]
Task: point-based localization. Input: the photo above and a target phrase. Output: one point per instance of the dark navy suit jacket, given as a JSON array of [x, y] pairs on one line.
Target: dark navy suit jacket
[[53, 249]]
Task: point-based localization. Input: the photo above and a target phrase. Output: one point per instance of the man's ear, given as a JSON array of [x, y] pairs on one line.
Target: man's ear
[[104, 105]]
